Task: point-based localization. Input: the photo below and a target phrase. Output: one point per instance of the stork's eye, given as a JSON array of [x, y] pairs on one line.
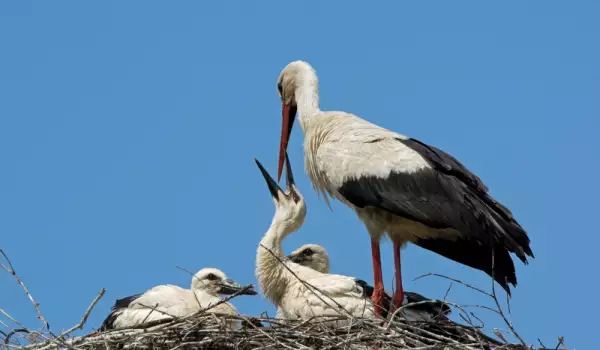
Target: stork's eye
[[280, 88], [212, 277], [308, 252]]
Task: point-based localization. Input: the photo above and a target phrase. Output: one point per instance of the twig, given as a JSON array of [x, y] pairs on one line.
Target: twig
[[441, 311], [499, 334], [5, 326], [492, 295], [151, 311], [454, 280], [85, 316], [495, 298], [20, 330], [11, 318], [11, 270], [478, 319], [263, 332], [406, 306], [561, 341], [447, 291]]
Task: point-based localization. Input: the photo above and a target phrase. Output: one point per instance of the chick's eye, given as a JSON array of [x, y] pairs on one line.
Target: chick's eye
[[211, 277], [308, 251]]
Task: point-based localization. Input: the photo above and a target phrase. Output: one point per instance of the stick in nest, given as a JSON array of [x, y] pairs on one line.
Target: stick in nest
[[11, 270], [491, 295], [85, 316]]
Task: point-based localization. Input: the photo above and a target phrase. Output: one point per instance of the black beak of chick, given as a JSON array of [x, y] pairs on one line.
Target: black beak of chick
[[229, 287], [274, 188], [296, 258], [289, 179]]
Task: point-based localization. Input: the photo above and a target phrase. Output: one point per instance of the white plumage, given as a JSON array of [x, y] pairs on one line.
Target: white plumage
[[397, 185], [311, 255], [316, 257], [332, 295], [168, 301], [415, 307]]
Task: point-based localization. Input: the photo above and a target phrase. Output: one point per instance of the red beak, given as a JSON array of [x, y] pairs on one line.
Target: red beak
[[288, 115]]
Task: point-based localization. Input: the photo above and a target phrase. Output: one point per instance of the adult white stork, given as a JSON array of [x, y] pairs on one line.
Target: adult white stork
[[168, 301], [397, 185], [299, 292]]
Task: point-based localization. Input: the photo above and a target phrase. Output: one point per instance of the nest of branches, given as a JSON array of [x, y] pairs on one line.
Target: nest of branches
[[207, 330]]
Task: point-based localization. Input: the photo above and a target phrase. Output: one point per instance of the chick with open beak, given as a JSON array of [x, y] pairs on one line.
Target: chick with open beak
[[291, 209], [286, 283]]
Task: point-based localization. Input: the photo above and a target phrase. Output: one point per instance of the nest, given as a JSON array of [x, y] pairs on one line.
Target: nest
[[209, 331]]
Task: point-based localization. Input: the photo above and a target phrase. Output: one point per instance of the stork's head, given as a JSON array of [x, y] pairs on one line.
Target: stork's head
[[290, 207], [214, 281], [293, 76], [313, 256]]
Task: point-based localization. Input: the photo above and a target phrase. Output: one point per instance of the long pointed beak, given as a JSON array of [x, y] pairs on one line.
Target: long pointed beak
[[273, 186], [288, 115], [295, 258], [229, 287], [289, 176]]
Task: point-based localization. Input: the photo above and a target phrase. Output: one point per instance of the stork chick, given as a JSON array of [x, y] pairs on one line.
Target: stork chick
[[169, 301], [297, 291], [316, 257], [313, 256]]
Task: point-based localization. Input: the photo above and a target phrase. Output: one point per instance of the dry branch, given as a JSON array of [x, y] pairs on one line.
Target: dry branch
[[85, 316], [11, 270]]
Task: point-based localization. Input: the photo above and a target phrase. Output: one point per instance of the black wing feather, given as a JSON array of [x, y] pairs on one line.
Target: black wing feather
[[125, 302], [120, 304], [432, 310], [447, 164], [448, 196], [433, 307], [368, 291]]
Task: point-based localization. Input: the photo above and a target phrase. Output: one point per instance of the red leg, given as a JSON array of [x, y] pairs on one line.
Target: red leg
[[378, 292], [399, 294]]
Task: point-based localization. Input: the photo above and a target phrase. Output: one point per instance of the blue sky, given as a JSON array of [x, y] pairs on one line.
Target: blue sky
[[128, 131]]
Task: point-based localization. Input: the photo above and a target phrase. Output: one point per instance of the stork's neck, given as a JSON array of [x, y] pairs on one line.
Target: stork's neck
[[205, 298], [269, 269], [272, 242], [307, 97]]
